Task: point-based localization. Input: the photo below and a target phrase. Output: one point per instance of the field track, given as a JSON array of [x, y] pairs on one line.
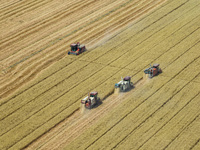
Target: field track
[[73, 126], [41, 86]]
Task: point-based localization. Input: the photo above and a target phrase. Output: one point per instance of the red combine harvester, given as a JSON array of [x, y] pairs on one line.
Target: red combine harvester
[[153, 70], [76, 49], [91, 100]]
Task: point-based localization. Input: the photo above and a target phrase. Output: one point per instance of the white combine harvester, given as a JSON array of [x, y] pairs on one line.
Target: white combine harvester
[[91, 100], [124, 84]]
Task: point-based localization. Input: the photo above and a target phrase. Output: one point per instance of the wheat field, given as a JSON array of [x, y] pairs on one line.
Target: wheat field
[[41, 86]]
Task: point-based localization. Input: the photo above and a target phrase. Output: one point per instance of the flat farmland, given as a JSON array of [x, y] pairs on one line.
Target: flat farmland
[[41, 86]]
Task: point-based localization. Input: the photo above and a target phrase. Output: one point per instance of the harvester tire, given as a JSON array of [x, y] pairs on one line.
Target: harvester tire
[[131, 84]]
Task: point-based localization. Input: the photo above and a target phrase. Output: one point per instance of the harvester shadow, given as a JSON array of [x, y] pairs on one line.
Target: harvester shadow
[[128, 90], [157, 74], [97, 105]]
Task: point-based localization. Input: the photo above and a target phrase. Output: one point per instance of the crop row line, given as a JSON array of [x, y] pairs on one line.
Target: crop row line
[[26, 58], [125, 41], [10, 5], [195, 144], [61, 81], [46, 91], [76, 110], [39, 26], [60, 110], [27, 7], [170, 49], [183, 128], [43, 21], [138, 106], [111, 62], [53, 19], [29, 69], [173, 115], [161, 41], [188, 82]]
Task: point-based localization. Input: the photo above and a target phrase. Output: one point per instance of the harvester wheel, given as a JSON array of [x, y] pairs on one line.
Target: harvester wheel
[[131, 84], [87, 105], [121, 88]]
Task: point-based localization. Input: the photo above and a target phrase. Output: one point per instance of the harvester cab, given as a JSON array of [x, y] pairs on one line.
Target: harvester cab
[[91, 100], [124, 84], [153, 70], [76, 49]]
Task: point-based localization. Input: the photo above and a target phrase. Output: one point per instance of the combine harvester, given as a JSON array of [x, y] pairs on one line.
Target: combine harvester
[[91, 100], [76, 49], [123, 85], [152, 71]]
